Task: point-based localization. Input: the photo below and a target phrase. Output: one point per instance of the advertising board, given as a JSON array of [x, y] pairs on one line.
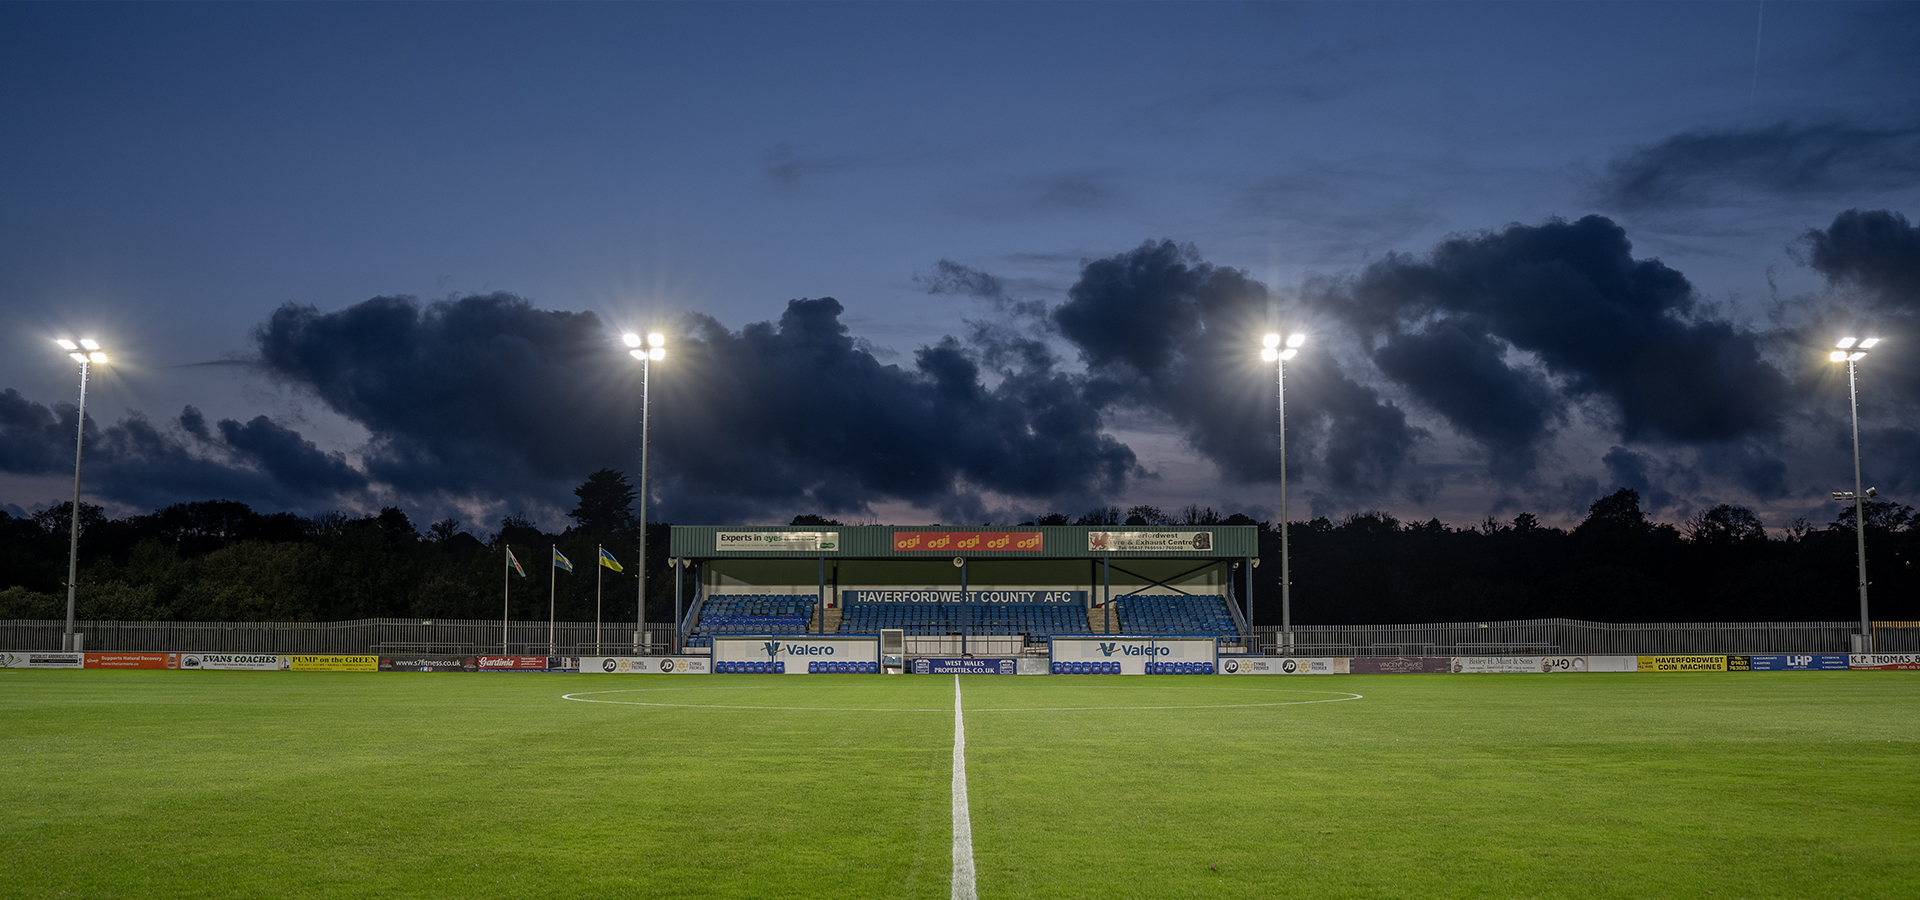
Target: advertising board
[[935, 595], [797, 650], [1401, 665], [644, 665], [133, 661], [1788, 662], [1682, 664], [429, 664], [1133, 653], [299, 663], [252, 662], [1149, 541], [951, 666], [786, 541], [14, 659], [517, 663], [1291, 665], [1501, 665], [967, 541], [1884, 661]]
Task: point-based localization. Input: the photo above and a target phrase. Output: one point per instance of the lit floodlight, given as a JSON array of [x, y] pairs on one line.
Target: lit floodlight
[[657, 354], [1296, 340], [1846, 343], [637, 354], [1272, 340], [89, 343], [1289, 353], [77, 357], [66, 344], [631, 339], [1868, 343], [1838, 356], [97, 357], [656, 339], [1856, 356], [1269, 354]]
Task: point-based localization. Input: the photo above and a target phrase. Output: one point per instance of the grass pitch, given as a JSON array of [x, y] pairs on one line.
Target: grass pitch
[[246, 784]]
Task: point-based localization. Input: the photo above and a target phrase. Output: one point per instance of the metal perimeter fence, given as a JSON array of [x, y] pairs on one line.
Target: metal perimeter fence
[[358, 636], [1553, 637], [1525, 637]]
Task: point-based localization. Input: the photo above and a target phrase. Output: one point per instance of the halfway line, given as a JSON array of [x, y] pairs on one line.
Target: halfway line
[[963, 888]]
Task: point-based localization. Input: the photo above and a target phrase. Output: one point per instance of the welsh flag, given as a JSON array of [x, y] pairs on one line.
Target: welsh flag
[[515, 563]]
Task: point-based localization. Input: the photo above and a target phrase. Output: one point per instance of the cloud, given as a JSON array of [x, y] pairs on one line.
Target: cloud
[[1159, 328], [487, 396], [1709, 167], [139, 463], [1875, 254], [1571, 297]]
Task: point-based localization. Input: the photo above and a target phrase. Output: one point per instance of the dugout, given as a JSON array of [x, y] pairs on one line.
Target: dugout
[[977, 591]]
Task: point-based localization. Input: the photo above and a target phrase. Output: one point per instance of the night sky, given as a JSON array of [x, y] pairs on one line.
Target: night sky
[[961, 263]]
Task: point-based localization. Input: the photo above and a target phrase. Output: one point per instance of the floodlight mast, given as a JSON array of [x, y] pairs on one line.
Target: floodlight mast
[[1850, 351], [87, 352], [1271, 352], [655, 349]]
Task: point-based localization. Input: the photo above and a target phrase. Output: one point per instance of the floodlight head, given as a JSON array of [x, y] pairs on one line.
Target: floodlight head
[[631, 339], [1269, 354], [66, 344], [1296, 340], [1289, 353], [637, 354], [97, 357], [1842, 495], [657, 354], [89, 343], [1856, 356], [1838, 356], [1872, 493], [656, 339], [1868, 343], [1847, 342], [77, 357], [1272, 340]]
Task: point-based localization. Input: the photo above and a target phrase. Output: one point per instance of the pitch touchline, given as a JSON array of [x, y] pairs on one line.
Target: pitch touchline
[[588, 697], [963, 888]]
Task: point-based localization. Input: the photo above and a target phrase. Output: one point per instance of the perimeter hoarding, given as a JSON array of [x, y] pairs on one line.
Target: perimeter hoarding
[[1682, 664], [14, 659], [963, 666], [248, 662], [1402, 665], [1133, 653], [333, 663], [1291, 665], [645, 665], [1788, 662], [797, 650], [1884, 661], [429, 664], [133, 661]]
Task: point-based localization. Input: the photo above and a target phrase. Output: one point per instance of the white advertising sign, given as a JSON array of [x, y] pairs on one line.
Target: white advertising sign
[[644, 665], [254, 662], [796, 651], [1133, 653], [1884, 661], [796, 541], [27, 659], [1498, 665], [1260, 665], [1149, 541]]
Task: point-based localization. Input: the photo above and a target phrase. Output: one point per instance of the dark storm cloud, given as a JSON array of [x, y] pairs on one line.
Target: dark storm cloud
[[486, 396], [1160, 328], [1875, 256], [1878, 250], [1600, 322], [136, 462], [1709, 166]]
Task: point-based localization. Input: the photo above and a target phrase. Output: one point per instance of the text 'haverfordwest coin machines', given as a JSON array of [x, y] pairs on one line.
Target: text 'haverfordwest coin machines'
[[893, 650]]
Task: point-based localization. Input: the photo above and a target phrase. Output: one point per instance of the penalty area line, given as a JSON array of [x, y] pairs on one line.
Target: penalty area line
[[963, 888]]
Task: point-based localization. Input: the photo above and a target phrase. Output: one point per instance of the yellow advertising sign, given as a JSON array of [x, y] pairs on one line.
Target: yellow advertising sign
[[1683, 664], [334, 664]]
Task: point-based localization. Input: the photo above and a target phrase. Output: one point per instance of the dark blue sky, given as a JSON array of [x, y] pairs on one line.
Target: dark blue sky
[[1543, 250]]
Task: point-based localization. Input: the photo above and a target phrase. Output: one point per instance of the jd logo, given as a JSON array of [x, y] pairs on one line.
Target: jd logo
[[666, 665], [1233, 665], [609, 665]]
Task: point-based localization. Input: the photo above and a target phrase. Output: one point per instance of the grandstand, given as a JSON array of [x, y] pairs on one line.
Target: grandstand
[[965, 618], [752, 614], [1175, 614]]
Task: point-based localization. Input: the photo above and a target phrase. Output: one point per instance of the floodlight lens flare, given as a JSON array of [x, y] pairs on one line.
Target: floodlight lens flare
[[89, 343], [657, 354], [1868, 343], [1289, 353], [97, 357], [631, 339], [1847, 342], [1838, 356], [656, 339], [1295, 341], [1272, 340], [637, 354], [67, 344], [1269, 354]]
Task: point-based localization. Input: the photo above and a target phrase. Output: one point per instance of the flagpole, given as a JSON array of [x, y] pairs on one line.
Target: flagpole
[[597, 566], [506, 584], [553, 582]]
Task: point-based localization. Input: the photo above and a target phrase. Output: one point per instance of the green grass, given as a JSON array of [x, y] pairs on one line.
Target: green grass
[[245, 784]]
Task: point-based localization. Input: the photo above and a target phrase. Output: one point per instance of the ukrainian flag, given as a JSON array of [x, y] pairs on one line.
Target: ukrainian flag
[[606, 559], [560, 560]]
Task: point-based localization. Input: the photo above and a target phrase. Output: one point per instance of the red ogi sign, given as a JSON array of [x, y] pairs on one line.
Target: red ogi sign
[[964, 541]]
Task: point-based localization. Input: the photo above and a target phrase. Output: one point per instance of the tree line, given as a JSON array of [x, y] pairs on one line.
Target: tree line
[[222, 561]]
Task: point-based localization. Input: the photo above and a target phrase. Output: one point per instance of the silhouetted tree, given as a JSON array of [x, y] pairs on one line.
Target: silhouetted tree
[[606, 504]]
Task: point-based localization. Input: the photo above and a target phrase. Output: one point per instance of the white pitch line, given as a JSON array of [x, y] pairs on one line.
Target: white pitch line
[[963, 888]]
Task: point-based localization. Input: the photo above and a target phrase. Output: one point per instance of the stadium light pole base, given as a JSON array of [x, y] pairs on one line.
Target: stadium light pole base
[[1862, 643], [73, 642]]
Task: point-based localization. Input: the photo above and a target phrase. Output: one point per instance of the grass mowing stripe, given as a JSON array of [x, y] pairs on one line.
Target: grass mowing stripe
[[963, 888]]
